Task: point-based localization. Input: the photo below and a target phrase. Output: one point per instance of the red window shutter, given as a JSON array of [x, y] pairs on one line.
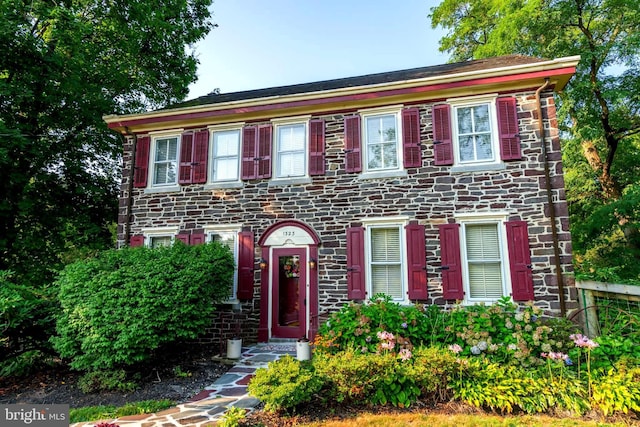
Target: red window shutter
[[137, 240], [184, 238], [355, 263], [264, 151], [316, 147], [451, 261], [249, 152], [197, 239], [411, 138], [442, 140], [185, 168], [352, 143], [141, 168], [417, 260], [520, 261], [508, 130], [200, 156], [246, 262]]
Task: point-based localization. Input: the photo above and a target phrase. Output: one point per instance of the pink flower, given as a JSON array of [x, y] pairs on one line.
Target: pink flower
[[405, 354], [455, 348], [583, 341]]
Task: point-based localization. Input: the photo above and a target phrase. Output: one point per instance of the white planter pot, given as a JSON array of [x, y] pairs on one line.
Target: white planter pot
[[303, 350], [234, 348]]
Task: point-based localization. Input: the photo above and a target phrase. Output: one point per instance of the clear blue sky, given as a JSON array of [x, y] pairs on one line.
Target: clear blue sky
[[266, 43]]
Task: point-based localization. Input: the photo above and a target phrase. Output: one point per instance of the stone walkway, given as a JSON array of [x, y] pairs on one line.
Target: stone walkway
[[208, 406]]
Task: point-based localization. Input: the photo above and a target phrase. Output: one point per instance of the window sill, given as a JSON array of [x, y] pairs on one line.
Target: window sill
[[383, 174], [171, 189], [289, 181], [227, 184], [479, 168]]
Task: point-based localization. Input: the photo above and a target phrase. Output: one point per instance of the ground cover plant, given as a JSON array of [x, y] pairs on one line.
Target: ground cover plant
[[499, 357]]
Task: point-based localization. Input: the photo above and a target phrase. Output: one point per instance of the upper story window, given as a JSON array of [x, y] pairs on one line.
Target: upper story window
[[383, 142], [476, 133], [165, 160], [291, 150], [475, 139], [225, 155], [381, 139]]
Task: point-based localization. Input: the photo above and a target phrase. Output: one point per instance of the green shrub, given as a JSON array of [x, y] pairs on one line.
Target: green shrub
[[360, 378], [122, 305], [285, 384], [232, 417], [98, 381], [356, 325], [26, 323]]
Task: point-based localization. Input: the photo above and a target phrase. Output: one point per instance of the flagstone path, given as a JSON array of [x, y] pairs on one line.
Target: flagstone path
[[207, 407]]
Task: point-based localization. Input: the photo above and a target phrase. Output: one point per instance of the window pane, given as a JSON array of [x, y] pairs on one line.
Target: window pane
[[390, 156], [374, 131], [226, 143], [161, 150], [388, 128], [386, 279], [292, 164], [173, 149], [161, 173], [464, 121], [374, 156], [225, 238], [226, 169], [482, 241], [484, 151], [481, 118], [291, 138], [160, 241], [466, 148], [485, 280], [385, 245]]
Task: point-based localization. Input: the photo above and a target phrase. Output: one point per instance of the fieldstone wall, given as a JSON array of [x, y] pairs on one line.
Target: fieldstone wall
[[329, 204]]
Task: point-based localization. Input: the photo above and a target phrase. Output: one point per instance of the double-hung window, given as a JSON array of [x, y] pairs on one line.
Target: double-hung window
[[484, 265], [385, 260], [474, 131], [291, 150], [229, 238], [225, 155], [165, 161], [381, 136]]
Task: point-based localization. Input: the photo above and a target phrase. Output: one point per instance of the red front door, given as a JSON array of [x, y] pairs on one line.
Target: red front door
[[288, 284]]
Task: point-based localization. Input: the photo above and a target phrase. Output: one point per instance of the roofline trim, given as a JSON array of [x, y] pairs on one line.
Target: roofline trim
[[114, 121]]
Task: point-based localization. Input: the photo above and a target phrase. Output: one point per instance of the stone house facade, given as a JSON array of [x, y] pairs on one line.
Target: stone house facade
[[437, 185]]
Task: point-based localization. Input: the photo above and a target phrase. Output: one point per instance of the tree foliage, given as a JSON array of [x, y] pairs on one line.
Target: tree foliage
[[63, 66], [600, 108]]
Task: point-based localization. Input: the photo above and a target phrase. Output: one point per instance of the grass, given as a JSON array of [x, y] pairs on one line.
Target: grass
[[457, 420], [93, 413]]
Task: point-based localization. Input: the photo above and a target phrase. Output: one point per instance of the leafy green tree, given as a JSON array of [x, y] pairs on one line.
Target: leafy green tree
[[63, 66], [600, 108]]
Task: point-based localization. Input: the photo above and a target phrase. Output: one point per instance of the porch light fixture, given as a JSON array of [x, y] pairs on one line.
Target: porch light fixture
[[312, 263], [263, 263]]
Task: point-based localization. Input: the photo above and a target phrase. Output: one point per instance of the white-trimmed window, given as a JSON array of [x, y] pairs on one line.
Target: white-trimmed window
[[382, 140], [229, 238], [475, 132], [159, 236], [225, 154], [484, 258], [386, 259], [164, 164], [291, 150]]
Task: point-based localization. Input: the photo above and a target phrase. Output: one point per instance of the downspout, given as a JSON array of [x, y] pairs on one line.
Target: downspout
[[552, 211], [129, 200]]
